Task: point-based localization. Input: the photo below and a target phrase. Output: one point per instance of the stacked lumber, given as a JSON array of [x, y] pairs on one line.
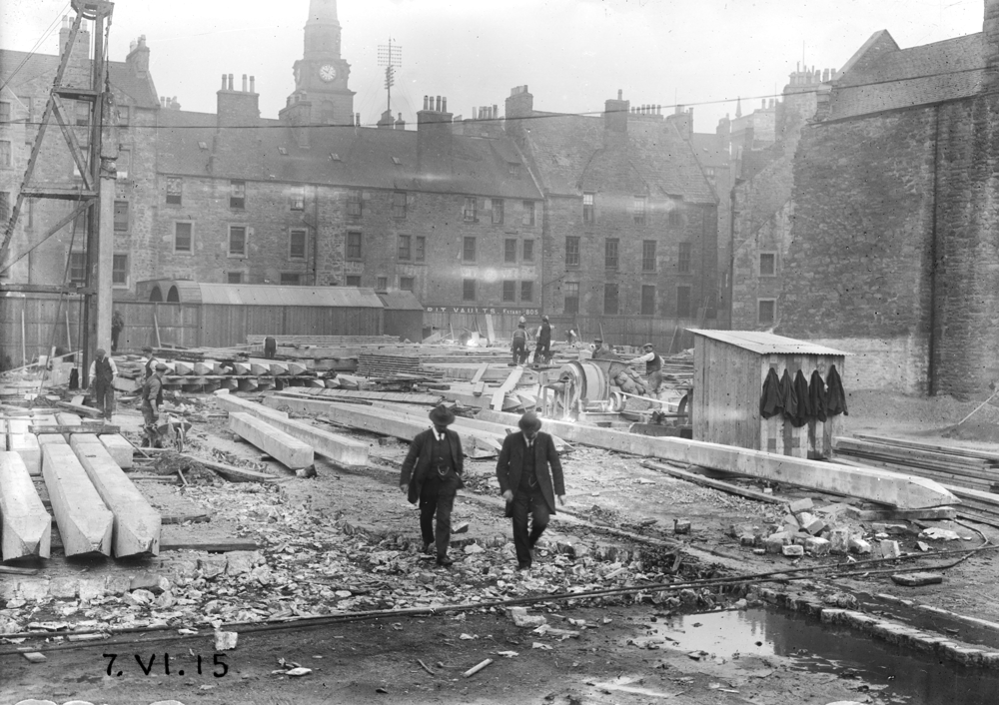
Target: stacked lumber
[[366, 395], [323, 340], [378, 365]]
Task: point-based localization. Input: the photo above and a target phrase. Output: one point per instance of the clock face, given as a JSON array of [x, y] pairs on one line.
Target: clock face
[[327, 73]]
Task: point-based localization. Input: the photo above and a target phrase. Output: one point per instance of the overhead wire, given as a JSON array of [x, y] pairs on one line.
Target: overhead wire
[[45, 35]]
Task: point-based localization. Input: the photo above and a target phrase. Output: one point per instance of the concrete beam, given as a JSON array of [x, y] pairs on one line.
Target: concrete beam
[[289, 451], [26, 526], [85, 523], [119, 448], [339, 449], [136, 523], [26, 445], [893, 489]]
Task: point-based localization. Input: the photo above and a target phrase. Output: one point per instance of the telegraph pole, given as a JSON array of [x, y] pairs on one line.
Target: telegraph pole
[[389, 56]]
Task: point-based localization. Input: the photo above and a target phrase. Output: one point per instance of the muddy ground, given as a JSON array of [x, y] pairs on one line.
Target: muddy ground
[[344, 541]]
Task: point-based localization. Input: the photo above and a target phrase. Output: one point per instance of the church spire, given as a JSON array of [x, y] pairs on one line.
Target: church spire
[[322, 12], [322, 31]]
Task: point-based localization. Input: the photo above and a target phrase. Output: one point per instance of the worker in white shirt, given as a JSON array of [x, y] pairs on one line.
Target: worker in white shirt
[[653, 367], [102, 374]]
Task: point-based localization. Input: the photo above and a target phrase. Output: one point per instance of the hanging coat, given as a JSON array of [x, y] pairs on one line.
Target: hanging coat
[[788, 396], [817, 396], [835, 394], [805, 413], [770, 401]]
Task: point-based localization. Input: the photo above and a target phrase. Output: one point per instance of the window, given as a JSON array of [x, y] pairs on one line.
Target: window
[[683, 302], [468, 249], [399, 204], [119, 270], [381, 284], [610, 299], [768, 264], [4, 111], [405, 248], [468, 212], [296, 244], [182, 237], [675, 217], [353, 280], [420, 251], [121, 216], [528, 218], [610, 253], [510, 250], [527, 291], [291, 278], [234, 277], [237, 194], [767, 311], [175, 190], [509, 290], [572, 251], [683, 259], [407, 283], [589, 213], [571, 297], [123, 116], [82, 113], [77, 268], [638, 209], [297, 199], [497, 206], [5, 208], [648, 255], [124, 164], [353, 245], [528, 250], [355, 203], [648, 300], [5, 156], [237, 241], [468, 290]]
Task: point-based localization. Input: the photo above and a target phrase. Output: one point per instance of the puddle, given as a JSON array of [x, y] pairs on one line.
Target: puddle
[[816, 647]]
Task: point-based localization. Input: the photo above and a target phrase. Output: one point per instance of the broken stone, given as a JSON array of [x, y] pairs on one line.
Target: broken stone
[[461, 528], [34, 656], [63, 587], [937, 534], [474, 548], [262, 574], [225, 641], [212, 566], [801, 505], [239, 562], [747, 540], [793, 551], [859, 545], [776, 542], [817, 546], [812, 524], [525, 621], [149, 581], [890, 549], [917, 579], [681, 526], [33, 589], [839, 540], [791, 522]]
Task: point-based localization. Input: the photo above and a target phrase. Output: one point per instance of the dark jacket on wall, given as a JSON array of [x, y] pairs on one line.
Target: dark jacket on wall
[[835, 394], [417, 465], [817, 396], [805, 413], [547, 466], [770, 399], [788, 396]]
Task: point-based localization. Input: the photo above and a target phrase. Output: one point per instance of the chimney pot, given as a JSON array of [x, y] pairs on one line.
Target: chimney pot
[[244, 83], [230, 82], [252, 87], [620, 94], [223, 81], [444, 105]]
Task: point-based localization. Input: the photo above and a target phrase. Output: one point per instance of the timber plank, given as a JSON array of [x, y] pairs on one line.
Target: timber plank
[[893, 489], [136, 524], [715, 484], [339, 449], [26, 525], [80, 409], [289, 451], [231, 472], [119, 448], [499, 396], [85, 523]]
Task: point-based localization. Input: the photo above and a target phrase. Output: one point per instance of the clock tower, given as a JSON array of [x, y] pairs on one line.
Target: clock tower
[[321, 94]]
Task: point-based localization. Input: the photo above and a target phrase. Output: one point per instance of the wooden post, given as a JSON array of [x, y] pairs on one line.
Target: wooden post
[[24, 349]]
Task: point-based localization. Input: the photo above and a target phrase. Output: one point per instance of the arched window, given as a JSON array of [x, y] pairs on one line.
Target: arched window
[[173, 296], [156, 294]]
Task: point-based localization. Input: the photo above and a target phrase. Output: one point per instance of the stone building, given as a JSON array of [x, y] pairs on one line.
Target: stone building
[[893, 251]]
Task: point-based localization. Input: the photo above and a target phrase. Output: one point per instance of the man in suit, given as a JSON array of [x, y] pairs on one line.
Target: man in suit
[[530, 477], [432, 475]]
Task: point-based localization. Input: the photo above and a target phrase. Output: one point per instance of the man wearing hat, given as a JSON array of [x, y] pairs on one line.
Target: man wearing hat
[[102, 374], [432, 475], [152, 399], [530, 477], [518, 343], [602, 353], [543, 349], [653, 367]]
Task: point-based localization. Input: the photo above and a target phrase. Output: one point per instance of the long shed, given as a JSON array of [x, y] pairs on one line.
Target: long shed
[[730, 368]]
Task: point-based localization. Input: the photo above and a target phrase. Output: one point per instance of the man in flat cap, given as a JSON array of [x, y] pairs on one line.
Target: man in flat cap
[[102, 374], [152, 400], [653, 367], [530, 477], [431, 476]]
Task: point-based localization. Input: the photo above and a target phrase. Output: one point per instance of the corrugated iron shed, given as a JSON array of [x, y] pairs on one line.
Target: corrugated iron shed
[[269, 295], [763, 343]]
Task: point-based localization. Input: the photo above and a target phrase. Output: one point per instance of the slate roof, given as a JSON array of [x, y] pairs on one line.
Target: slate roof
[[933, 73], [710, 150], [140, 91], [569, 156], [268, 151]]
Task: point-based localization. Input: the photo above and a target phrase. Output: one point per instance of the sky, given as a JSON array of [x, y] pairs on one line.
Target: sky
[[572, 54]]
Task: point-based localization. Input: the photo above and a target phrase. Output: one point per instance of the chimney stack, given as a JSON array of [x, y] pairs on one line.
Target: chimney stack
[[253, 81], [79, 60], [434, 139], [236, 108], [616, 120], [138, 57]]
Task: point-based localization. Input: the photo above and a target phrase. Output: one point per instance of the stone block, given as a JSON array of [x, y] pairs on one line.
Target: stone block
[[239, 562], [149, 581], [793, 551], [817, 546], [212, 566], [917, 579], [747, 540], [64, 587], [118, 584], [839, 540], [801, 505], [889, 549], [33, 588], [90, 589], [525, 621], [776, 542], [859, 545], [791, 521]]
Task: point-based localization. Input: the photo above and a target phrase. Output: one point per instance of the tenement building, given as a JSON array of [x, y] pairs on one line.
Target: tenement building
[[893, 251]]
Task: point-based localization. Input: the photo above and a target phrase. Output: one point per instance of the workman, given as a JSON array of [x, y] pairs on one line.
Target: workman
[[602, 353], [150, 366], [653, 367], [543, 348], [102, 374], [518, 345], [152, 401]]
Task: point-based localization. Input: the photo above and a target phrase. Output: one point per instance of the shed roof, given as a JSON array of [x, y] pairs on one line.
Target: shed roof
[[400, 301], [270, 295], [763, 343]]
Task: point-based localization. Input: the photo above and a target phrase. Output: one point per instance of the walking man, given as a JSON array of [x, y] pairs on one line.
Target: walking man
[[117, 326], [152, 400], [431, 476], [102, 374], [543, 349], [530, 477]]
